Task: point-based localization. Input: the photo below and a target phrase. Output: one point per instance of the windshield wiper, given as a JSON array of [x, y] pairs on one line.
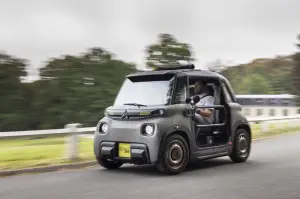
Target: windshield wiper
[[134, 104]]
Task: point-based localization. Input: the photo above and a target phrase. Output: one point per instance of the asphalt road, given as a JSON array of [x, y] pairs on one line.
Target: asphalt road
[[272, 172]]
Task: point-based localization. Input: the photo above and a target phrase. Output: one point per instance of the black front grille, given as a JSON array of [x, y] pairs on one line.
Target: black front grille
[[130, 117]]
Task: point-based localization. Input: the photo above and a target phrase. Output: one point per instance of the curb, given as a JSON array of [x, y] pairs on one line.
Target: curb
[[48, 168]]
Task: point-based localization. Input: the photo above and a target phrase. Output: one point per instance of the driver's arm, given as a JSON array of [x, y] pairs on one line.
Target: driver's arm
[[208, 111], [204, 112]]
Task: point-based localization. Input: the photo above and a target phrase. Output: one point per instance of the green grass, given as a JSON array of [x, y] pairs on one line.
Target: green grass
[[25, 153], [273, 130]]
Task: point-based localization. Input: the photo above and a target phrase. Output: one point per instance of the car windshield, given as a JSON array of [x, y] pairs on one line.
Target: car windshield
[[145, 91]]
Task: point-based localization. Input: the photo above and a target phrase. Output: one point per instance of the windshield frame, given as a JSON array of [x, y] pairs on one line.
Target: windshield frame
[[150, 77]]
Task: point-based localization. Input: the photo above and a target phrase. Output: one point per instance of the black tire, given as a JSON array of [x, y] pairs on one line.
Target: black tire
[[241, 146], [178, 145], [109, 164]]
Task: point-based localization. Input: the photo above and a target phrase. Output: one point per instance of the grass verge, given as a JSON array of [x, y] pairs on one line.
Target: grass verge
[[47, 151], [38, 152], [274, 129]]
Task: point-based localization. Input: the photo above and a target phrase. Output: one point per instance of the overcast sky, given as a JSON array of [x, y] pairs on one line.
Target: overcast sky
[[230, 30]]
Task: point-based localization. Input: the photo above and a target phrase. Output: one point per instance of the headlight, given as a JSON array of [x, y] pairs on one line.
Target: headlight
[[148, 129], [104, 128]]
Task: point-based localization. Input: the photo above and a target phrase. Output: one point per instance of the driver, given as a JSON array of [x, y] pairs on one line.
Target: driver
[[203, 116]]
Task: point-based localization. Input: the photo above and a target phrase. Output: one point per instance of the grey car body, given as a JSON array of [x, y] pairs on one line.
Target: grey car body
[[173, 128]]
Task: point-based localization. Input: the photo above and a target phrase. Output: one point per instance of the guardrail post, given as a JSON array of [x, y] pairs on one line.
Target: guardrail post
[[72, 147], [296, 122], [265, 126], [292, 123]]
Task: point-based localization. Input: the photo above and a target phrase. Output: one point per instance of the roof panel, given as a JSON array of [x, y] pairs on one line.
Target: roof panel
[[202, 73], [188, 72], [142, 73]]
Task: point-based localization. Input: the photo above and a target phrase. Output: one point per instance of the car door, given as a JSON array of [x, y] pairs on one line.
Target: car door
[[183, 117], [234, 108]]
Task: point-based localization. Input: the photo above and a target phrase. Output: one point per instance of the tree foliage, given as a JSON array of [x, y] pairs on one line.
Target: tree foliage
[[296, 72], [168, 51], [274, 74], [71, 89], [15, 96], [254, 84]]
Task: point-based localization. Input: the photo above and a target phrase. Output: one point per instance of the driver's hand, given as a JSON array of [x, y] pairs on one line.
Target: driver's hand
[[199, 111], [204, 112]]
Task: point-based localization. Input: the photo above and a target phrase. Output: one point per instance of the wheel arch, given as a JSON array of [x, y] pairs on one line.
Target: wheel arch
[[182, 131], [233, 155], [245, 126]]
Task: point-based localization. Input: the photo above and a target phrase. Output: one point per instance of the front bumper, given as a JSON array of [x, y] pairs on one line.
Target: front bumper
[[139, 153]]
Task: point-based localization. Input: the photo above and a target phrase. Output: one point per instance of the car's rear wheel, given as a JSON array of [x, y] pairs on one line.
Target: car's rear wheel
[[109, 164], [174, 155], [241, 146]]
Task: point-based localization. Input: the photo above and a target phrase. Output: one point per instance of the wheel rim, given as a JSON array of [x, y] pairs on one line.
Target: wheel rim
[[175, 155], [242, 145]]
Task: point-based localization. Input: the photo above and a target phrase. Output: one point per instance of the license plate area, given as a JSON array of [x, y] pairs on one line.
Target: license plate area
[[124, 150]]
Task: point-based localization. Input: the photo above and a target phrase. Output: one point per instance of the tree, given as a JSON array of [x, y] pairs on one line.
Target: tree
[[254, 84], [277, 72], [71, 89], [79, 88], [296, 72], [15, 97], [168, 51]]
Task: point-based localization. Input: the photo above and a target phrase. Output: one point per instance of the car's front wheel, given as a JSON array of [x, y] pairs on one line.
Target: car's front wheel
[[174, 155], [241, 146], [108, 164]]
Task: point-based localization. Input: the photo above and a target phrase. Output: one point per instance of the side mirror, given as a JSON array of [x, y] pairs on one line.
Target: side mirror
[[196, 99], [188, 100]]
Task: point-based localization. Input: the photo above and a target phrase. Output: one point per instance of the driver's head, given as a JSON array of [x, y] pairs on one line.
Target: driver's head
[[199, 86]]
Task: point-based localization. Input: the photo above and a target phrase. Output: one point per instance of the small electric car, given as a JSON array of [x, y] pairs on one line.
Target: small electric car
[[152, 121]]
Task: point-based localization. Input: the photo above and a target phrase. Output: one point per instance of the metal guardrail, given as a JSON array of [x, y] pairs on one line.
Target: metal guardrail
[[75, 129], [29, 133], [273, 118]]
